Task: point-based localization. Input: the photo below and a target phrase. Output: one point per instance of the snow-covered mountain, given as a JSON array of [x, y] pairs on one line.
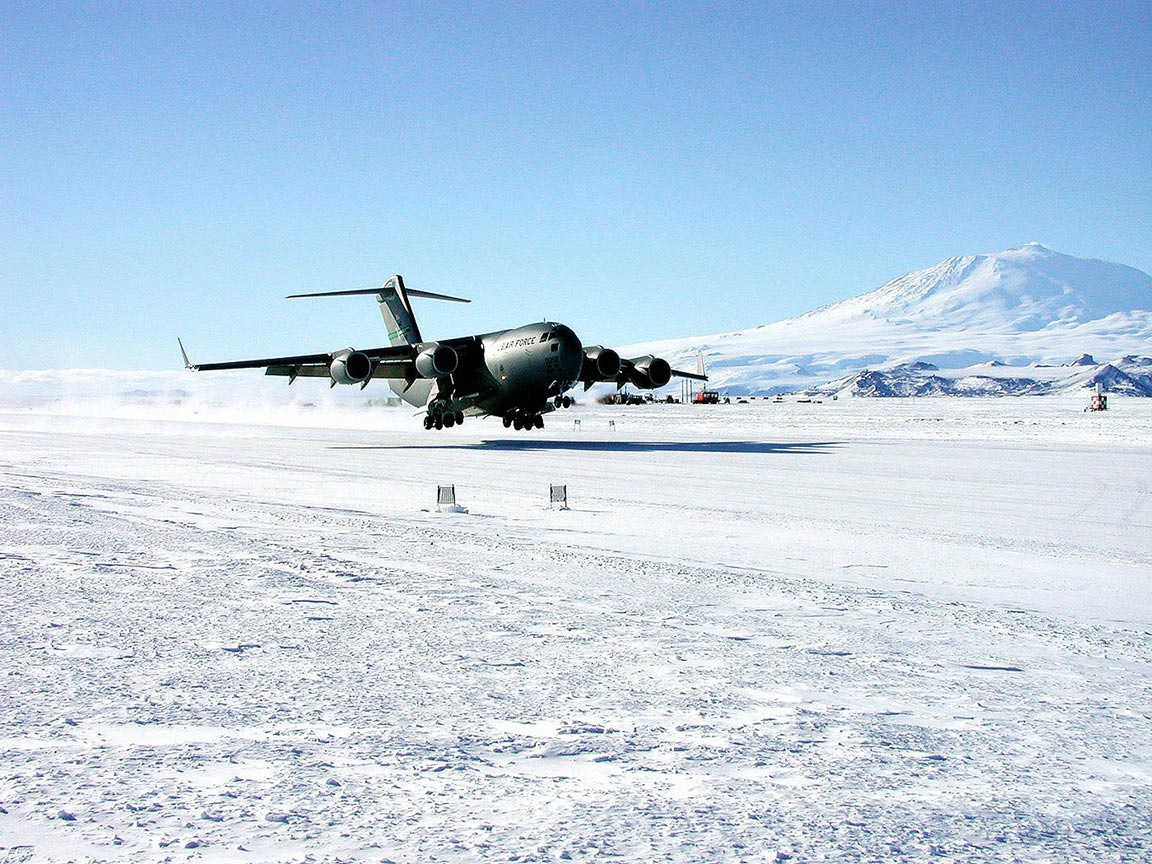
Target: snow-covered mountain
[[1023, 307]]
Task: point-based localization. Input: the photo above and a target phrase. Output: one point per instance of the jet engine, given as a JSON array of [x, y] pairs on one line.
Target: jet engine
[[350, 367], [436, 361], [600, 364], [648, 372]]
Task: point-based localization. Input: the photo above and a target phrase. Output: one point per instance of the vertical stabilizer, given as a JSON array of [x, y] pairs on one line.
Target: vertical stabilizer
[[397, 311]]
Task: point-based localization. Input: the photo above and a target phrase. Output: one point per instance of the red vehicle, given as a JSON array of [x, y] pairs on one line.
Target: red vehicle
[[706, 397]]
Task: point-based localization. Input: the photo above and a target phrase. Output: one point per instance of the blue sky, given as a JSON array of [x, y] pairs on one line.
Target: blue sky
[[636, 170]]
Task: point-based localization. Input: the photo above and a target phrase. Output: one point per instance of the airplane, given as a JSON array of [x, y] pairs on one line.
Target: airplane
[[518, 375]]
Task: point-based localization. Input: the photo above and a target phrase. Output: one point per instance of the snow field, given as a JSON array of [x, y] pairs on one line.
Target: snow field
[[838, 632]]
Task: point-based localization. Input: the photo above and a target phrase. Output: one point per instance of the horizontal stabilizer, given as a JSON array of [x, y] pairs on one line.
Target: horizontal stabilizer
[[411, 293]]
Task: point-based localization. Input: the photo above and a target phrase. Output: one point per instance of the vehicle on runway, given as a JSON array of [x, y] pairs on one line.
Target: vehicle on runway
[[518, 375]]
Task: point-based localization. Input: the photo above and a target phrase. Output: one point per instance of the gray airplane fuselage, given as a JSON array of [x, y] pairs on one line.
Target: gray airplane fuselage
[[522, 368]]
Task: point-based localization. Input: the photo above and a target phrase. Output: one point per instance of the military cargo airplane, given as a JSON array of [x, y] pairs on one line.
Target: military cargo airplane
[[518, 375]]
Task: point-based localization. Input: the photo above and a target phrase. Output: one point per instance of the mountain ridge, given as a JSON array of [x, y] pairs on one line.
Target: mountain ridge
[[1022, 307]]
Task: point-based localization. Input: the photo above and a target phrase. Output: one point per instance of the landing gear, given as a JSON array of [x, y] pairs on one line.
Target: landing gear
[[523, 422], [562, 401], [438, 417]]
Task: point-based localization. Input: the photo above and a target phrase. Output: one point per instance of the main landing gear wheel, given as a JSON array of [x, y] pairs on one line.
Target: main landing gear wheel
[[437, 418], [520, 422]]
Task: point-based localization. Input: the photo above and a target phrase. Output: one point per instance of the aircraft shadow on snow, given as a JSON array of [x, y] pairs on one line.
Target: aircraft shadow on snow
[[511, 444]]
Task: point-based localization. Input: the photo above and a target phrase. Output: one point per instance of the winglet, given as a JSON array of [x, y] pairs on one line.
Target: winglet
[[187, 362]]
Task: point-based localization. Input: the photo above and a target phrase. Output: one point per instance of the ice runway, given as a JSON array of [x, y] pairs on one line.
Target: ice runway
[[877, 630]]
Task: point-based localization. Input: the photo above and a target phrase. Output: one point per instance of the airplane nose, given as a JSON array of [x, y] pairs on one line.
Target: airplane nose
[[571, 342], [571, 350]]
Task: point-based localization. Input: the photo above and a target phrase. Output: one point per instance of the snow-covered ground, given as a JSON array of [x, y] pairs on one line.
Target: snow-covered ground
[[863, 630]]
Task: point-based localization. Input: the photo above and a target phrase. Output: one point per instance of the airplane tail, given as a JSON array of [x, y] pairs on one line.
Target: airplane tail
[[394, 306], [402, 330], [397, 312]]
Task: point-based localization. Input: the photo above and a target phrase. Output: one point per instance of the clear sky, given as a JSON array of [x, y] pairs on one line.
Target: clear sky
[[635, 170]]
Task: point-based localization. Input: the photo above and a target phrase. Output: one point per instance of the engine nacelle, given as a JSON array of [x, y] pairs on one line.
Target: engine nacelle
[[350, 367], [436, 361], [649, 373], [600, 364]]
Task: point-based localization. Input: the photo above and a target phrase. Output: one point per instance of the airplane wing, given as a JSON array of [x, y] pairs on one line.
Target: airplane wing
[[650, 373], [389, 362], [695, 376], [397, 362]]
